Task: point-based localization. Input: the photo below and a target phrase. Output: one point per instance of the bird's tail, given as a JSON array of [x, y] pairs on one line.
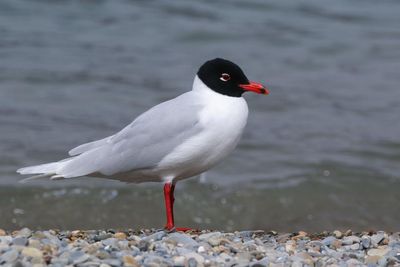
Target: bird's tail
[[43, 170]]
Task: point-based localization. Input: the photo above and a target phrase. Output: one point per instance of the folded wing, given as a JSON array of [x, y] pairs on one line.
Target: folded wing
[[140, 145]]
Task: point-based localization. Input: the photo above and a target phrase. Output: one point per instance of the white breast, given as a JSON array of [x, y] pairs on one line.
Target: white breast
[[223, 119]]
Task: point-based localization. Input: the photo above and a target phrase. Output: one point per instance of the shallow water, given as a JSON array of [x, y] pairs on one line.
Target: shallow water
[[326, 140]]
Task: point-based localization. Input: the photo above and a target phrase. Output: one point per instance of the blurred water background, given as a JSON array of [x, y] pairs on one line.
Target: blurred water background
[[322, 151]]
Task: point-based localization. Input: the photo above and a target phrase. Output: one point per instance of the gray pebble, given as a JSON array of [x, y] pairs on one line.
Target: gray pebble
[[154, 260], [78, 257], [209, 235], [382, 262], [9, 256], [24, 232], [353, 247], [353, 262], [327, 241], [143, 245], [192, 262], [377, 238], [366, 242], [183, 251], [155, 237], [65, 255], [101, 237], [182, 239], [18, 264], [5, 240], [249, 234], [89, 264], [261, 263], [20, 241], [348, 240], [283, 237], [113, 262], [238, 249], [102, 254]]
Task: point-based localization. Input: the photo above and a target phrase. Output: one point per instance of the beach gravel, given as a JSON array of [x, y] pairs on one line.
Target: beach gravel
[[111, 248]]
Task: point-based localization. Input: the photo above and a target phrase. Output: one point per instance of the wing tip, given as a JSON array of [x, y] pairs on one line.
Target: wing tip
[[75, 151], [72, 153], [26, 180], [24, 170]]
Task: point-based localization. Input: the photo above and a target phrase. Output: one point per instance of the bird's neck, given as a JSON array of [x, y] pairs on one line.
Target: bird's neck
[[199, 86]]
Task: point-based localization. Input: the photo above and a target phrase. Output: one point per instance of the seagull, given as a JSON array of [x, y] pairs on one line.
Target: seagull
[[172, 141]]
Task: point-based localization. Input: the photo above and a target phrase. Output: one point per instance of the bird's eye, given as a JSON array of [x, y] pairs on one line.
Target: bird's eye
[[225, 77]]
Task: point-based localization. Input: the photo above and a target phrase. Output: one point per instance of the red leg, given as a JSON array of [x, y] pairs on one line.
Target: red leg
[[169, 208], [169, 205]]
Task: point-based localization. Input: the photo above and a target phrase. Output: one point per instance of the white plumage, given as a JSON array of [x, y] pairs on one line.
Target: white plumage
[[174, 140]]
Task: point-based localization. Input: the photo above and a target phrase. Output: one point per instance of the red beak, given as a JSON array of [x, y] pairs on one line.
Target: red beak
[[255, 87]]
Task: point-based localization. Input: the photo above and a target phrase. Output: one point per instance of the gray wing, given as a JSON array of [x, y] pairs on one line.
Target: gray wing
[[89, 146], [140, 145]]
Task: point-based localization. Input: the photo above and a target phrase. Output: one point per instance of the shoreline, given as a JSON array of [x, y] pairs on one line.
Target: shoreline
[[310, 207], [105, 248]]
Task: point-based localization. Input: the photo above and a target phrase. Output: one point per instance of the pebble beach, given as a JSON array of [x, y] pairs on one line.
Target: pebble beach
[[109, 248]]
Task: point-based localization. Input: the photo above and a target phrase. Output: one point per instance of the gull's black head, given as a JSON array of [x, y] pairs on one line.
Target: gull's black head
[[227, 78]]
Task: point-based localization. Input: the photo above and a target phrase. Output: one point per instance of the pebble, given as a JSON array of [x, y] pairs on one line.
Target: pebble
[[9, 256], [290, 247], [378, 251], [130, 261], [192, 262], [2, 232], [20, 241], [328, 241], [352, 247], [79, 257], [281, 238], [376, 238], [24, 232], [34, 243], [249, 234], [181, 240], [31, 252], [179, 260], [120, 235], [372, 259], [201, 249], [197, 257], [207, 236], [113, 262], [156, 236], [102, 237], [337, 234], [300, 235], [348, 240], [365, 241], [353, 263], [348, 232], [111, 248]]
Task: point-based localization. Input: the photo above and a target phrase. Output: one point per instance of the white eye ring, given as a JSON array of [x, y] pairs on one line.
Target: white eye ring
[[225, 77]]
